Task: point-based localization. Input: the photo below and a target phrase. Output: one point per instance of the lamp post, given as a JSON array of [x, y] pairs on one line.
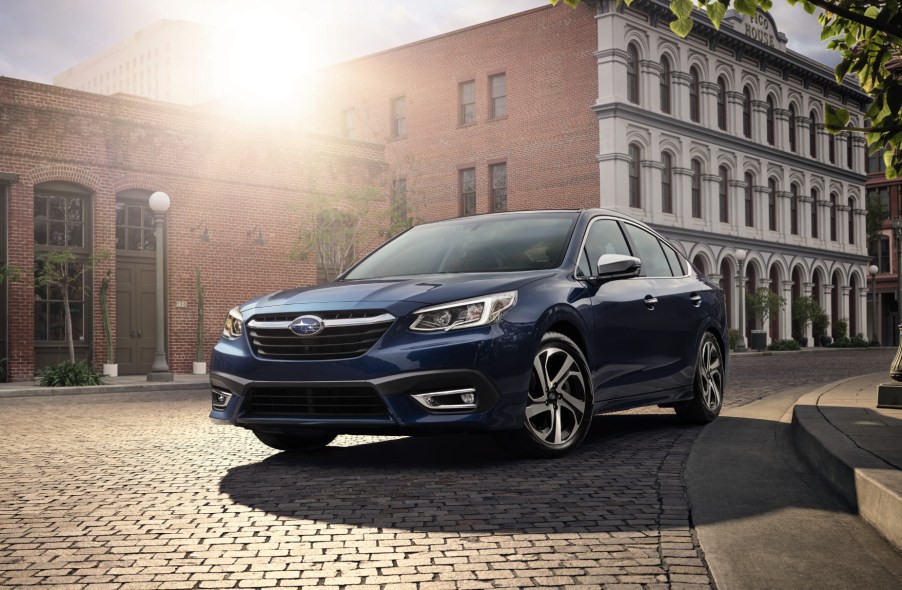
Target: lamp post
[[873, 270], [740, 293], [895, 369], [159, 204]]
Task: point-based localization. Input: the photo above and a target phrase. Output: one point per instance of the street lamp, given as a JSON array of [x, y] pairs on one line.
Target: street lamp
[[873, 270], [740, 292], [159, 204]]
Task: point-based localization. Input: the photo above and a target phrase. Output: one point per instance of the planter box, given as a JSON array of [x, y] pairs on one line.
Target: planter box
[[111, 370], [199, 368], [758, 339]]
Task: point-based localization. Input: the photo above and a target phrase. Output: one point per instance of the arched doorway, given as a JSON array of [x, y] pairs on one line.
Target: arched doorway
[[835, 304], [854, 300], [797, 331], [751, 272], [699, 263], [728, 275]]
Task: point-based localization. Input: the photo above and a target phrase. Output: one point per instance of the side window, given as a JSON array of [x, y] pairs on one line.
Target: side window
[[650, 252], [604, 237], [676, 264]]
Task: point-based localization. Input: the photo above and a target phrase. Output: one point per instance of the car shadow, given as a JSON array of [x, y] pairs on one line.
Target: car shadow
[[467, 483]]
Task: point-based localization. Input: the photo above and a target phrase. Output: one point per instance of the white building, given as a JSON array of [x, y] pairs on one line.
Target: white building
[[717, 140], [171, 60]]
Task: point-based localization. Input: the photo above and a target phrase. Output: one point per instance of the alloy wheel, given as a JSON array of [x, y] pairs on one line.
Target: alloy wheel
[[710, 375], [556, 403]]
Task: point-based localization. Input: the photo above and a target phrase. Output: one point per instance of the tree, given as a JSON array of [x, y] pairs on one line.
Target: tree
[[61, 270], [763, 304], [804, 310], [868, 36]]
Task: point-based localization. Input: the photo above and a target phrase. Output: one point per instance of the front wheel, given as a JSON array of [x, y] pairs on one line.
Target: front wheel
[[294, 442], [707, 398], [558, 403]]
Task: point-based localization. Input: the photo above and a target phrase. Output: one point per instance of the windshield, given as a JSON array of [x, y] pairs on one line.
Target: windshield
[[503, 243]]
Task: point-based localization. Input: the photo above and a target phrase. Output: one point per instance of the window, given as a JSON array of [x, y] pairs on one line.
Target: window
[[467, 94], [134, 227], [881, 195], [349, 121], [850, 152], [749, 200], [667, 183], [604, 237], [794, 209], [772, 204], [694, 93], [831, 148], [635, 187], [722, 103], [812, 135], [632, 74], [879, 252], [498, 105], [649, 251], [770, 120], [696, 188], [833, 216], [467, 179], [49, 309], [59, 220], [724, 187], [399, 117], [792, 128], [851, 221], [875, 162], [498, 175], [814, 219], [747, 112], [665, 84]]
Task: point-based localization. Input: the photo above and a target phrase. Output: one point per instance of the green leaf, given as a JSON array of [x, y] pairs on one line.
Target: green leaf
[[835, 119], [716, 12], [809, 7], [681, 8], [842, 69], [766, 4], [888, 159], [872, 12], [891, 172], [681, 26], [749, 7]]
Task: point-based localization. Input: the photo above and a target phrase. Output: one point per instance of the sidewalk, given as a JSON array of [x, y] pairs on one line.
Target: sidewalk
[[126, 384], [856, 447]]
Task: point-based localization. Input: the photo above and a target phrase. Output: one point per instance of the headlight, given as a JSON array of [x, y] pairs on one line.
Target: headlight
[[234, 325], [480, 311]]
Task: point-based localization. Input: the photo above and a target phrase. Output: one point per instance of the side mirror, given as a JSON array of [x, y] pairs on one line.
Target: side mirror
[[617, 266]]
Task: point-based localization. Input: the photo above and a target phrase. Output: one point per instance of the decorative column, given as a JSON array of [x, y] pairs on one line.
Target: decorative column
[[844, 306], [759, 121], [711, 199], [709, 104], [786, 312], [651, 188], [762, 194], [781, 129], [680, 94], [841, 140], [822, 138], [735, 101], [809, 331], [740, 297], [842, 225], [828, 305], [649, 83], [682, 194]]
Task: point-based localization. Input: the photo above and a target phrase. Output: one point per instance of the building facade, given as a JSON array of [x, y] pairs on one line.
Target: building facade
[[76, 172], [716, 140], [171, 60], [884, 198]]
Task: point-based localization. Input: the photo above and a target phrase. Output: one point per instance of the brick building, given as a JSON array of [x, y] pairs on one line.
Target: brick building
[[717, 140], [882, 250], [76, 171]]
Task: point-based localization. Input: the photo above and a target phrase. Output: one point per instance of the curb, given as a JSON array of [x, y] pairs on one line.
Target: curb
[[35, 391], [871, 486]]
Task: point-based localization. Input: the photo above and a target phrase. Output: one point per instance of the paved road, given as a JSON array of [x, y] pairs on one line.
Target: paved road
[[108, 491]]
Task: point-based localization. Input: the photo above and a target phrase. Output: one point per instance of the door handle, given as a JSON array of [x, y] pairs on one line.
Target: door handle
[[696, 300], [650, 301], [139, 333]]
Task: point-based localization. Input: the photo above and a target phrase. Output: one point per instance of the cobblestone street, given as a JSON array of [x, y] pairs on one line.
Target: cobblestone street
[[116, 491]]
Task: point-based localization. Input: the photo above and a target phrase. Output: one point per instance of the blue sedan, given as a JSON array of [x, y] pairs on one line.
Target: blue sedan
[[523, 324]]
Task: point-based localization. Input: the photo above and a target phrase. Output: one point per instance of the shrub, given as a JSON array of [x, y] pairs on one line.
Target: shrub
[[855, 342], [841, 329], [69, 374], [787, 344], [734, 338]]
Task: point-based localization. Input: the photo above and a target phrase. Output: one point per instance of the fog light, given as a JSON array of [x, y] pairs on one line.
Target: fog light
[[220, 398], [454, 400]]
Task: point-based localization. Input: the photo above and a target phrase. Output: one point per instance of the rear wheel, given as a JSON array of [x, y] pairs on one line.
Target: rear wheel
[[294, 441], [558, 402], [707, 398]]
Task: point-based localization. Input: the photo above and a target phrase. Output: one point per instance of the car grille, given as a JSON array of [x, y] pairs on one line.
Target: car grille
[[347, 334], [316, 401]]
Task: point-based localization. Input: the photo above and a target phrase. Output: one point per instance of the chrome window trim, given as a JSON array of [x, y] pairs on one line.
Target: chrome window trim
[[622, 220], [380, 319], [663, 241]]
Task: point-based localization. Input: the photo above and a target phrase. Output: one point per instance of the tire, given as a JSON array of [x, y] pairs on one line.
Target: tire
[[558, 409], [294, 442], [707, 388]]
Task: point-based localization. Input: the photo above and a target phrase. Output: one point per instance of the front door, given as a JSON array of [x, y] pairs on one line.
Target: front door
[[135, 284]]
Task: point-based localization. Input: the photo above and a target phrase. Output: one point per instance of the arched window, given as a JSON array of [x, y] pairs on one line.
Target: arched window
[[851, 221], [632, 73], [850, 163], [772, 204], [667, 183], [833, 199], [665, 84], [747, 112], [770, 119], [794, 209], [749, 199], [696, 188], [831, 148], [723, 194], [812, 135], [814, 205], [695, 82], [635, 187], [722, 103], [792, 128]]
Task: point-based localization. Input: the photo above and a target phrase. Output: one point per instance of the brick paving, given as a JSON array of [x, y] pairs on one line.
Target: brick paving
[[116, 491]]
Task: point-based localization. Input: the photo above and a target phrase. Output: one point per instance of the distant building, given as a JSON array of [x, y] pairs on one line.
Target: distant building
[[882, 249], [171, 60], [717, 140]]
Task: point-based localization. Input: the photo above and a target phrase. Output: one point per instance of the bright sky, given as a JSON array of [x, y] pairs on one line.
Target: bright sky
[[42, 38]]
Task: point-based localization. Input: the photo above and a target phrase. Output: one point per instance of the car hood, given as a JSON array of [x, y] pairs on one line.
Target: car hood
[[392, 294]]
